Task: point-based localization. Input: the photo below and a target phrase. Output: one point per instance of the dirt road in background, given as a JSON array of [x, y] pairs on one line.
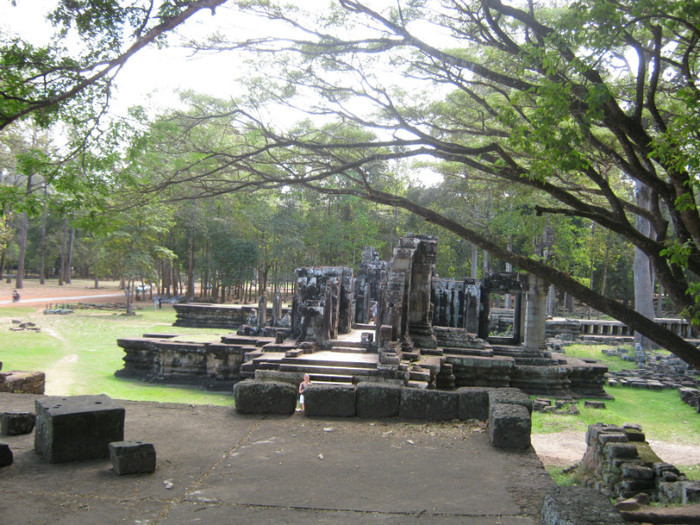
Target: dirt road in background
[[79, 290]]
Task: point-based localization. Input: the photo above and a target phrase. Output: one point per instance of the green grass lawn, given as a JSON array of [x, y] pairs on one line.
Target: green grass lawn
[[79, 352], [662, 415]]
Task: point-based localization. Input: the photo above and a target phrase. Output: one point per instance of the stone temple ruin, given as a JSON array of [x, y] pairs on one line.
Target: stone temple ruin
[[426, 332]]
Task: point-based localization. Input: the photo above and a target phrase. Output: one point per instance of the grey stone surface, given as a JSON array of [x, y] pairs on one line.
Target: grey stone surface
[[6, 456], [377, 400], [511, 396], [16, 423], [265, 397], [217, 466], [473, 403], [579, 506], [509, 426], [77, 427], [329, 400], [432, 405], [132, 457]]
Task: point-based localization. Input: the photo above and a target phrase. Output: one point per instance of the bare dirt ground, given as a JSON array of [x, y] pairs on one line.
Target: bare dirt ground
[[562, 449], [79, 290]]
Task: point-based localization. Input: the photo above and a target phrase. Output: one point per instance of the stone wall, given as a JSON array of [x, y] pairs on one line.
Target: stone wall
[[620, 463], [507, 411], [202, 315]]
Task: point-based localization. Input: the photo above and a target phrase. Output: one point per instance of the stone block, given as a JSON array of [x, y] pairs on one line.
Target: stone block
[[377, 400], [509, 426], [329, 401], [435, 405], [473, 403], [595, 431], [612, 437], [632, 485], [690, 492], [6, 457], [615, 450], [637, 472], [594, 404], [510, 396], [132, 457], [77, 427], [265, 397], [578, 506], [17, 423]]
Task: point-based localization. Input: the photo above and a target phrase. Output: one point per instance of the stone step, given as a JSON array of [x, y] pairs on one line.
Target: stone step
[[278, 347], [330, 378], [348, 349], [432, 351], [484, 352], [370, 327], [246, 340], [417, 384], [347, 344], [321, 369], [332, 360], [419, 375]]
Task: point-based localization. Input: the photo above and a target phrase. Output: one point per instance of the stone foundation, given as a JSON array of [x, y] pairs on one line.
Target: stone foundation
[[559, 376], [213, 365], [23, 382]]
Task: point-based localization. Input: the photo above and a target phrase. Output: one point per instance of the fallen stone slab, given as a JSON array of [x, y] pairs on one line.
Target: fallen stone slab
[[6, 457], [473, 403], [265, 397], [434, 405], [17, 423], [377, 400], [77, 428], [132, 457], [329, 401], [578, 506]]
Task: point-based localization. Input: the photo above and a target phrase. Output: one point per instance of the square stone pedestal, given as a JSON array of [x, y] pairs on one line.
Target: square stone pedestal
[[77, 427]]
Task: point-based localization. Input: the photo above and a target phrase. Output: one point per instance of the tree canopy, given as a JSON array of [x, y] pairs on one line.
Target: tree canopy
[[559, 113]]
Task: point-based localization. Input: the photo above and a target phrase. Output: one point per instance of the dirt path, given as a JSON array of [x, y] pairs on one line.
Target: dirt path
[[561, 449], [63, 373], [50, 293]]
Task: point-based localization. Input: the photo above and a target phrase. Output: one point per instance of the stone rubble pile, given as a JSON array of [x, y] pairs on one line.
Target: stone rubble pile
[[24, 326], [660, 372]]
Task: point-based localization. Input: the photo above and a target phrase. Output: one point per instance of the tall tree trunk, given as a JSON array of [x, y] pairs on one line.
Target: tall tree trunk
[[69, 255], [62, 265], [475, 262], [24, 226], [190, 267], [42, 241], [643, 290]]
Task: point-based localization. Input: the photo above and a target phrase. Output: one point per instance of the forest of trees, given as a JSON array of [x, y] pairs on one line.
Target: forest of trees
[[564, 136]]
